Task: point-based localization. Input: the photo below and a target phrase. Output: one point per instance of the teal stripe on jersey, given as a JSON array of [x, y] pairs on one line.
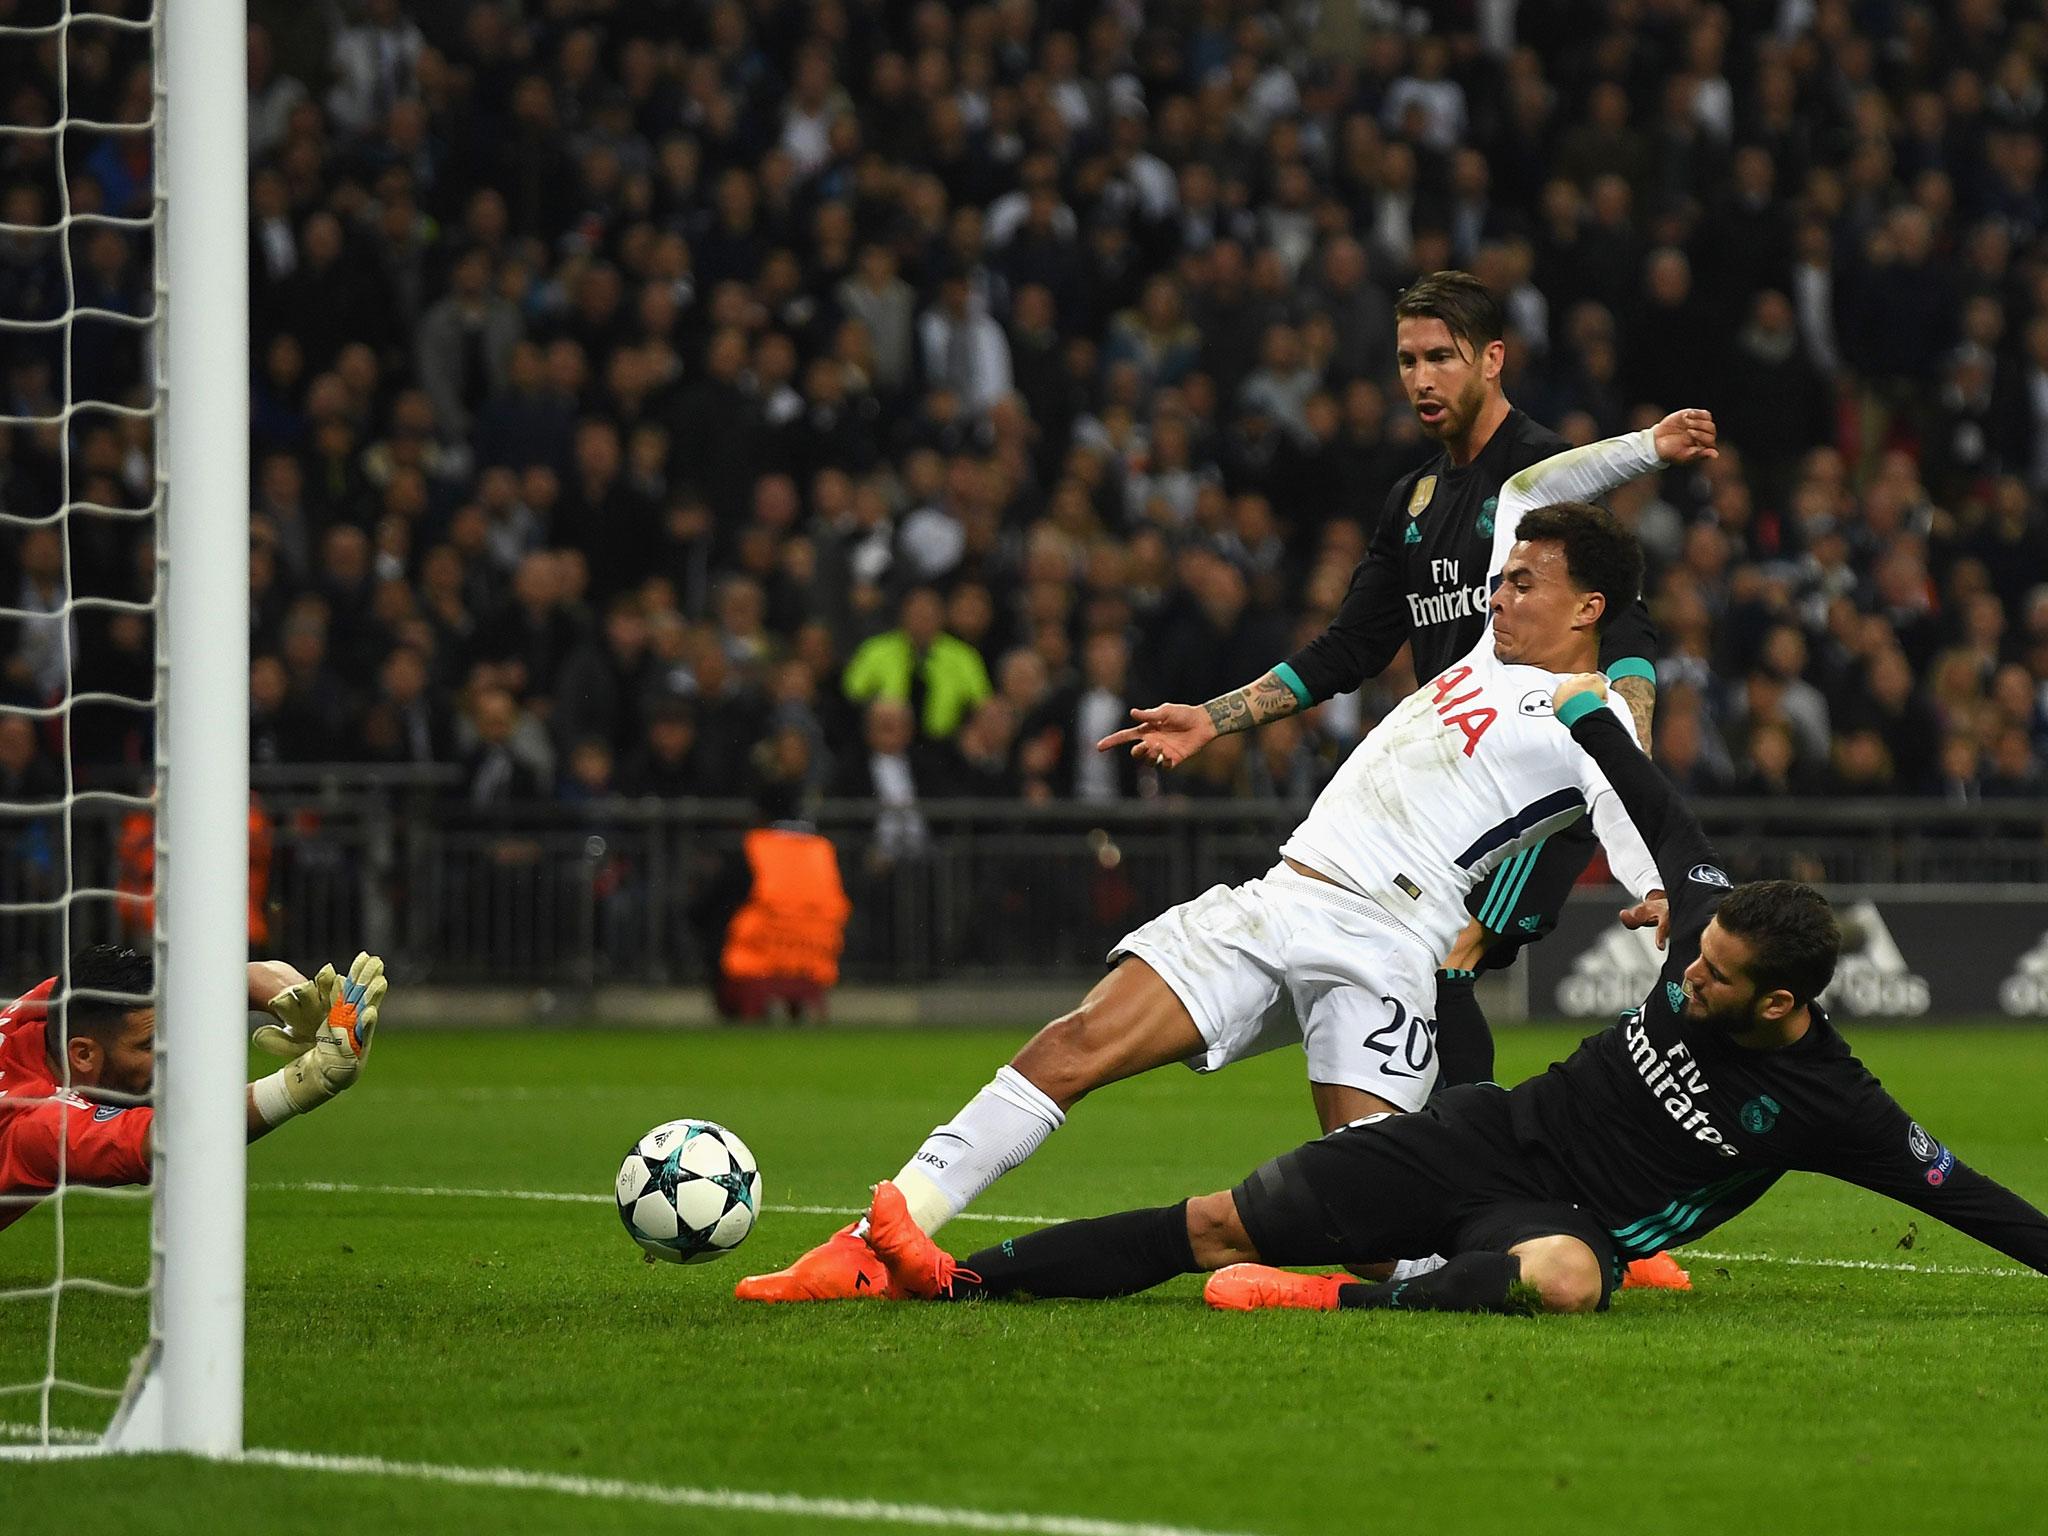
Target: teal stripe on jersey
[[1523, 884], [1501, 880], [1493, 892], [1679, 1229], [1664, 1217], [1681, 1215], [1507, 892], [1511, 890]]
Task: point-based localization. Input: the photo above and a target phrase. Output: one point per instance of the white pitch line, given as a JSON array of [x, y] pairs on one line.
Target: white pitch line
[[571, 1197], [325, 1187], [70, 1439], [732, 1500], [1889, 1267]]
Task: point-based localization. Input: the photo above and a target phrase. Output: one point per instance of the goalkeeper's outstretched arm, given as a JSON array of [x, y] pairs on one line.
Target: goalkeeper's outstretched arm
[[332, 1060], [325, 1026]]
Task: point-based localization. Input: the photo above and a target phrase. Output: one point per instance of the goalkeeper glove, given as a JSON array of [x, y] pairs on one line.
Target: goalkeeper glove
[[335, 1058], [300, 1011]]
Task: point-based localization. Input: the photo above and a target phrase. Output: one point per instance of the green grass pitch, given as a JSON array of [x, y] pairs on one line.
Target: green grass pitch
[[470, 1331]]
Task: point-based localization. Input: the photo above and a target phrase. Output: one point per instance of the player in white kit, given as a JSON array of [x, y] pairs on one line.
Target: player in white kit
[[1337, 946]]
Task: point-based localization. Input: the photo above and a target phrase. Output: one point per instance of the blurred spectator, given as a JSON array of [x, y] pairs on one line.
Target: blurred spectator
[[273, 97], [25, 773], [979, 763], [465, 344], [665, 764], [39, 667], [892, 768], [938, 675], [962, 349], [373, 64], [405, 721], [1097, 705], [501, 768]]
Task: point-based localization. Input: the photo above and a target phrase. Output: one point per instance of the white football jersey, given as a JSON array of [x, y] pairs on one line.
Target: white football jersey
[[1470, 769], [1467, 771]]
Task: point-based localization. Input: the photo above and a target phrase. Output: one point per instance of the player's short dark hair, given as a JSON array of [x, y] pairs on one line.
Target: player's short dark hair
[[1466, 306], [106, 968], [1792, 934], [1599, 554]]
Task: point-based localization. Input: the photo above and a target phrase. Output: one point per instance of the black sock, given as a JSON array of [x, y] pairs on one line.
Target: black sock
[[1464, 1042], [1104, 1256], [1471, 1282]]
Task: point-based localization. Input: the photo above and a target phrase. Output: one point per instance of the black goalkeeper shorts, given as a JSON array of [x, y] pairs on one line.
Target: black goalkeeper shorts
[[1449, 1178], [1519, 902]]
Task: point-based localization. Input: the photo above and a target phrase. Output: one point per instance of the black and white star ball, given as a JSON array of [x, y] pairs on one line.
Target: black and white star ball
[[689, 1191]]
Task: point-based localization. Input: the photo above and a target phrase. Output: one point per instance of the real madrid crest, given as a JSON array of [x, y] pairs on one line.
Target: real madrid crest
[[1424, 489]]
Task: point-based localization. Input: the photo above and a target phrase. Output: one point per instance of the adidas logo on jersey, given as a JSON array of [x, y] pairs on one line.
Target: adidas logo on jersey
[[1413, 535], [1875, 980], [2025, 991], [1616, 973]]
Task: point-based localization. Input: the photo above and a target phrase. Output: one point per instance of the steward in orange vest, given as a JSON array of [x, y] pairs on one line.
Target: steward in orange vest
[[783, 943], [136, 854]]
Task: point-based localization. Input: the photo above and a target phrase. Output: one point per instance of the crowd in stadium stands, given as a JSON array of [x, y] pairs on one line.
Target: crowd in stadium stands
[[655, 396]]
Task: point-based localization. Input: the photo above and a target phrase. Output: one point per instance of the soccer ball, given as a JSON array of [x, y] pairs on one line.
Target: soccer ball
[[689, 1191]]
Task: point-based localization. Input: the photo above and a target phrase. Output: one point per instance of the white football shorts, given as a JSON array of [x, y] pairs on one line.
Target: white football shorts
[[1287, 959]]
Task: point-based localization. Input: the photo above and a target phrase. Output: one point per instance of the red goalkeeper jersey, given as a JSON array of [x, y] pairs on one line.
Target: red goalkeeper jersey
[[43, 1126]]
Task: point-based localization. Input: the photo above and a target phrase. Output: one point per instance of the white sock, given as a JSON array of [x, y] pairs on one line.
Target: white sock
[[999, 1127], [1408, 1269]]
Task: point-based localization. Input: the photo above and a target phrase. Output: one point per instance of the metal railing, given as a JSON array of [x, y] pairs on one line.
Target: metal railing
[[574, 895]]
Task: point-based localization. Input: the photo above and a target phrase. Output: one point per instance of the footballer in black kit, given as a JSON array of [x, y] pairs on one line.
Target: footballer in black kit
[[1652, 1133], [1424, 582], [1657, 1129]]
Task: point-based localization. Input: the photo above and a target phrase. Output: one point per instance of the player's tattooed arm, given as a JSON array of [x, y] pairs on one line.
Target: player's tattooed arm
[[1167, 735], [1267, 699], [1641, 695]]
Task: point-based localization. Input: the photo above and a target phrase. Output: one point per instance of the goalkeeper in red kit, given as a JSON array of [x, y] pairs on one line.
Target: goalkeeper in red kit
[[74, 1092]]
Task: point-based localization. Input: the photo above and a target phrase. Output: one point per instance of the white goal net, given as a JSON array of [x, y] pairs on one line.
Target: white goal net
[[101, 839]]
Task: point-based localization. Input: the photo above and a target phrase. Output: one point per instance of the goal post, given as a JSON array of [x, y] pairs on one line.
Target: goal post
[[185, 1392], [202, 930]]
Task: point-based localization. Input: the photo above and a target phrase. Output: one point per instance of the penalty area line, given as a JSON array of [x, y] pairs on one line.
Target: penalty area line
[[730, 1500]]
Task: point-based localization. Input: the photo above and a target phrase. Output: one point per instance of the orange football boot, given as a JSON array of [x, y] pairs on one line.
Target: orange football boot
[[916, 1265], [1249, 1287], [1659, 1272], [842, 1268]]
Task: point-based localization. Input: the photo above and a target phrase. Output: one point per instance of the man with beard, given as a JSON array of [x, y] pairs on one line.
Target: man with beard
[[78, 1064]]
